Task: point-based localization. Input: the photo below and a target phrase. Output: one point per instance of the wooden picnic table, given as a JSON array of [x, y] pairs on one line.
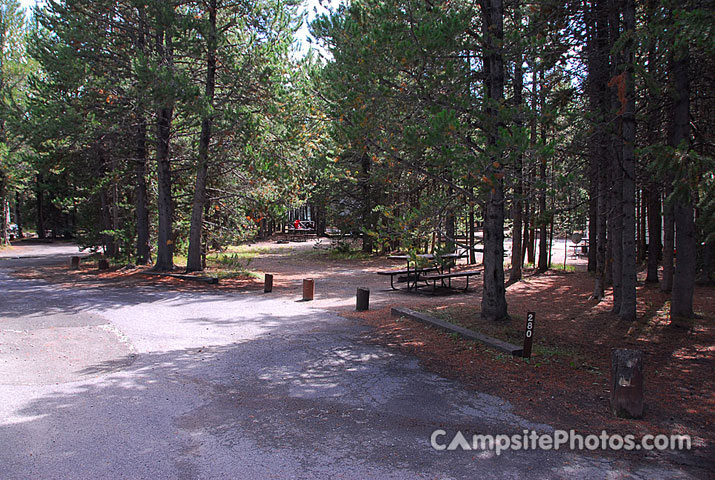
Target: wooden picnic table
[[580, 248], [416, 274], [299, 234]]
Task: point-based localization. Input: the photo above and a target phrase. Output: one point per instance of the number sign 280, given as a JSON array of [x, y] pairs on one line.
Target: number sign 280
[[528, 334]]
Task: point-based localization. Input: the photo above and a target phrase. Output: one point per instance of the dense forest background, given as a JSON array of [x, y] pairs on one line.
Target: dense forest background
[[147, 128]]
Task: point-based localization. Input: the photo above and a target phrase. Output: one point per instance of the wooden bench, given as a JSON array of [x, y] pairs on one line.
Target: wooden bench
[[411, 274], [449, 276]]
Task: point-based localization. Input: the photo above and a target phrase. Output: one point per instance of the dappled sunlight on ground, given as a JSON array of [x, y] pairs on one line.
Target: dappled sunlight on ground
[[567, 381]]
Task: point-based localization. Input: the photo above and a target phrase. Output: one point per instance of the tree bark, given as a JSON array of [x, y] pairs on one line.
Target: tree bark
[[141, 197], [684, 206], [593, 147], [666, 283], [615, 153], [592, 203], [195, 244], [18, 215], [449, 231], [628, 283], [597, 80], [4, 210], [472, 253], [40, 203], [165, 248], [518, 84], [494, 294], [543, 217], [641, 207]]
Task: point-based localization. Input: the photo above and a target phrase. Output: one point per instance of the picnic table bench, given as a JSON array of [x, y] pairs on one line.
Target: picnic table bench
[[410, 274], [300, 234], [580, 249], [417, 274], [449, 276]]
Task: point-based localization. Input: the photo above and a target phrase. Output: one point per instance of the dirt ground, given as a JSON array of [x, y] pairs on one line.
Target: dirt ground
[[566, 382]]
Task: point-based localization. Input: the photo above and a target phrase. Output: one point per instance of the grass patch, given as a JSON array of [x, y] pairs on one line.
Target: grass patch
[[225, 274], [348, 255], [564, 268], [234, 262], [231, 264]]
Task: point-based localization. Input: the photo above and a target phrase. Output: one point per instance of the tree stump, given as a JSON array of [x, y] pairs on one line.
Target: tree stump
[[363, 299], [627, 383], [75, 262], [103, 264], [268, 283], [308, 289]]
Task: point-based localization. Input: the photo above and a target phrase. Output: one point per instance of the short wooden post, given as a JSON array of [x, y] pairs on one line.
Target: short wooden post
[[308, 289], [627, 383], [363, 299], [75, 262], [103, 264], [528, 334], [268, 283]]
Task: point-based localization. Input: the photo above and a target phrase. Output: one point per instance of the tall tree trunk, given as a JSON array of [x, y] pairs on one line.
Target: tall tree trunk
[[666, 283], [597, 79], [530, 210], [194, 257], [40, 198], [628, 284], [615, 153], [165, 247], [641, 208], [472, 243], [543, 216], [527, 249], [518, 84], [4, 191], [18, 215], [593, 147], [684, 206], [494, 294], [4, 212], [141, 197], [543, 232], [592, 203], [108, 206], [108, 242], [449, 231], [615, 221]]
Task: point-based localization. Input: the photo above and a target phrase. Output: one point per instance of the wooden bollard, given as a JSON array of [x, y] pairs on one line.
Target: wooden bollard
[[75, 262], [103, 264], [268, 283], [308, 289], [627, 383], [363, 299]]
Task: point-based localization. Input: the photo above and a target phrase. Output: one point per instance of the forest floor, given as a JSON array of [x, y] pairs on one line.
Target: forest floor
[[564, 384]]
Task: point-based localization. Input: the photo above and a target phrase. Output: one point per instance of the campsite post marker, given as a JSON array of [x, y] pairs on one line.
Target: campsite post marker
[[528, 334]]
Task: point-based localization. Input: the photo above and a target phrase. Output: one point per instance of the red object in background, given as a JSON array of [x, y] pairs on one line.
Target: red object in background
[[296, 224]]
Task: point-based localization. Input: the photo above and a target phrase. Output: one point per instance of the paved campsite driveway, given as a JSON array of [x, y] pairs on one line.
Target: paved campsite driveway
[[150, 383]]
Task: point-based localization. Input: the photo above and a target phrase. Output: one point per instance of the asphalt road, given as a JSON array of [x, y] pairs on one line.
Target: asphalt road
[[150, 383]]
